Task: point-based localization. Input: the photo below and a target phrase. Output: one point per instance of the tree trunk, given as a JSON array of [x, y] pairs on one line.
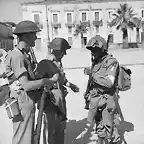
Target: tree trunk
[[82, 41], [137, 35], [125, 39]]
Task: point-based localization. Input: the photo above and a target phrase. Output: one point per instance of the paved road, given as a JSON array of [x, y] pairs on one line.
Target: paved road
[[131, 102]]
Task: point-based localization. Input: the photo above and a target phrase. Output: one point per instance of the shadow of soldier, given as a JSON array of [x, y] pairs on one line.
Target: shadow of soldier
[[123, 127], [76, 133]]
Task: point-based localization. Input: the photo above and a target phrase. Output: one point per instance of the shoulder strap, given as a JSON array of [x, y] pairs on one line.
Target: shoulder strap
[[30, 71]]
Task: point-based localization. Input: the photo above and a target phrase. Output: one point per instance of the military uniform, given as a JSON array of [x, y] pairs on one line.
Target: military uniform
[[55, 124], [4, 89], [18, 63], [23, 126], [101, 93]]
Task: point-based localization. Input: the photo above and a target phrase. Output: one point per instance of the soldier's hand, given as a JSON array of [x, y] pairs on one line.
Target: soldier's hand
[[47, 82], [74, 88], [87, 71], [55, 77]]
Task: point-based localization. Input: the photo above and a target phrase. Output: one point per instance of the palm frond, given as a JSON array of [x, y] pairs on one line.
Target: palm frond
[[124, 17], [80, 29]]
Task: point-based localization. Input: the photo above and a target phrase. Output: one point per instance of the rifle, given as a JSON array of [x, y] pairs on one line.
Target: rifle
[[116, 101], [39, 119], [118, 108], [87, 90], [41, 108]]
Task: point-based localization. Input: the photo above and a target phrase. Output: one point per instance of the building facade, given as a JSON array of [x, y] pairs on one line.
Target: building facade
[[6, 36], [59, 19]]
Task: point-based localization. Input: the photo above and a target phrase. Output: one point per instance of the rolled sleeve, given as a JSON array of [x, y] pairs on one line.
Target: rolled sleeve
[[18, 65]]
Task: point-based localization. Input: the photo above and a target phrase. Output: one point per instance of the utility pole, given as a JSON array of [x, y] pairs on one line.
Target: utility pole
[[48, 37]]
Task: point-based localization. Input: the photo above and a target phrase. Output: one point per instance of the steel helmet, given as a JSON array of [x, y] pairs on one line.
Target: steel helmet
[[26, 27], [97, 42], [59, 44]]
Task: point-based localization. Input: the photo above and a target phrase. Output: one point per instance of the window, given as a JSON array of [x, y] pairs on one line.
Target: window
[[69, 17], [142, 13], [85, 40], [70, 40], [142, 36], [96, 14], [69, 30], [83, 16], [55, 18], [38, 44], [55, 30], [97, 29], [36, 18], [110, 14], [111, 38]]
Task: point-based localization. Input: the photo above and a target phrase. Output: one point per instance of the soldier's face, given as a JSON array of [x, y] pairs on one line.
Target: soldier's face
[[59, 54], [31, 38], [96, 53]]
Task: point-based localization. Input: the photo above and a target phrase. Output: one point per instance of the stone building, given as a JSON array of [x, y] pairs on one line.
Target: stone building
[[6, 36], [58, 18]]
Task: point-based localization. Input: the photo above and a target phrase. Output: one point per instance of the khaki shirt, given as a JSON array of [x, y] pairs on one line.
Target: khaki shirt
[[105, 72], [17, 63]]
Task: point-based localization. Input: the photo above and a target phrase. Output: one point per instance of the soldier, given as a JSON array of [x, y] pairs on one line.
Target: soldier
[[102, 89], [4, 89], [55, 125], [23, 84]]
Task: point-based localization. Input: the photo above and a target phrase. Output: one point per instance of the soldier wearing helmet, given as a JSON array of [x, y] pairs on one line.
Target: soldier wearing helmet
[[55, 124], [101, 90], [19, 71]]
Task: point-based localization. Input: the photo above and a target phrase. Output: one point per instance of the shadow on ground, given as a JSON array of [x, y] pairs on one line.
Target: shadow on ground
[[74, 129], [124, 127]]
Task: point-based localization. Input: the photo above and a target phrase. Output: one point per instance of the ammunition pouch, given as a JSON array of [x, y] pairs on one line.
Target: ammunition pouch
[[12, 108]]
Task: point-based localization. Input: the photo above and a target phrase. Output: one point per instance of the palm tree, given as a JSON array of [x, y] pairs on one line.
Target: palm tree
[[138, 25], [81, 29], [123, 20]]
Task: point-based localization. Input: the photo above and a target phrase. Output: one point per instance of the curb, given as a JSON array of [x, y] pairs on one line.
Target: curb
[[136, 64]]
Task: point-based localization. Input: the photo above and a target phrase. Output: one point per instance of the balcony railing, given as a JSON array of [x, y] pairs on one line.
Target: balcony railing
[[97, 23], [56, 25], [86, 23], [70, 24]]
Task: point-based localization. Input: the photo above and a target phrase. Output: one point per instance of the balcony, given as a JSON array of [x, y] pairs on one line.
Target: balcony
[[97, 23], [56, 25], [39, 25], [70, 24], [86, 23]]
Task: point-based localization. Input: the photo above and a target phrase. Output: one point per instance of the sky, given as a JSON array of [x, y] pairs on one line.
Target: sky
[[10, 10]]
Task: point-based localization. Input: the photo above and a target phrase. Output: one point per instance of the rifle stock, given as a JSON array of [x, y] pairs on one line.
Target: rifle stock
[[39, 119]]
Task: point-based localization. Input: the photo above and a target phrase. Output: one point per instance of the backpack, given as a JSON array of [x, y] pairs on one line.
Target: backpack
[[124, 78]]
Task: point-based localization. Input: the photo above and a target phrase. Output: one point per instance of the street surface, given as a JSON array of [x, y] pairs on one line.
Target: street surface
[[131, 102]]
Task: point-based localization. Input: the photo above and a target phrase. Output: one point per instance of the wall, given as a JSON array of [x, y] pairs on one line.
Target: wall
[[76, 9]]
